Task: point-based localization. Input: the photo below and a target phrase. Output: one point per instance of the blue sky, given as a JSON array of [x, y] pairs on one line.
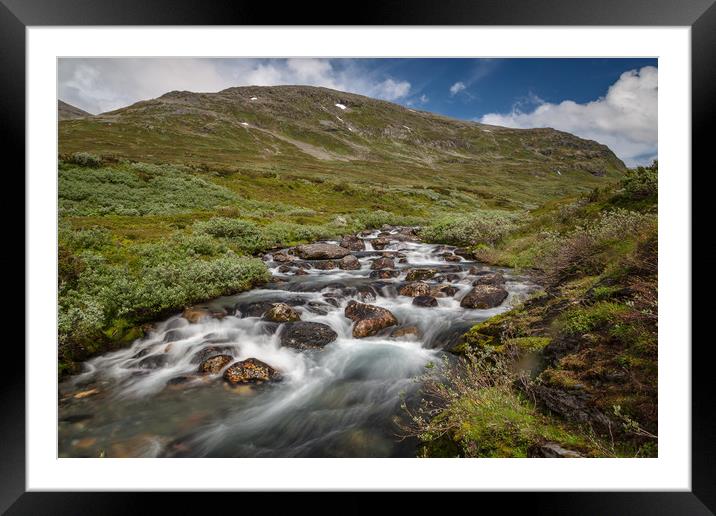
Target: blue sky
[[611, 100]]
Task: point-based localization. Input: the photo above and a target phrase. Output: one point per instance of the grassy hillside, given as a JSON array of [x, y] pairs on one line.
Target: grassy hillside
[[300, 132], [574, 366]]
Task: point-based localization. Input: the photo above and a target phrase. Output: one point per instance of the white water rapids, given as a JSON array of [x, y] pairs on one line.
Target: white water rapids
[[336, 402]]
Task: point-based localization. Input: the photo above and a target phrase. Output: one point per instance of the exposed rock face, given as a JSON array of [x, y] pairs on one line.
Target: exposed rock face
[[385, 274], [380, 243], [416, 288], [349, 263], [574, 406], [407, 331], [452, 258], [250, 370], [353, 243], [210, 351], [484, 296], [215, 364], [459, 251], [281, 312], [369, 319], [493, 278], [425, 301], [420, 274], [307, 335], [321, 251], [383, 263]]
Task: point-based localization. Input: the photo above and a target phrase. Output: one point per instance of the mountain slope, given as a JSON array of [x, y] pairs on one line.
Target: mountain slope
[[326, 133], [67, 111]]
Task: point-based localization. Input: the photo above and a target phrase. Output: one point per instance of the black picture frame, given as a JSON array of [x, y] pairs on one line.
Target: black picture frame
[[700, 15]]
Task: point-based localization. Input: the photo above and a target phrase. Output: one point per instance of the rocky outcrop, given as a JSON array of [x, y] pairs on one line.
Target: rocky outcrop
[[307, 335], [416, 288], [321, 251], [250, 370], [215, 364], [349, 263], [420, 274], [383, 263], [369, 319], [353, 243], [483, 297], [281, 312]]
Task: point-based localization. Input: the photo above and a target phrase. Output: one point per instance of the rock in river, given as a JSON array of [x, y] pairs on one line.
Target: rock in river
[[420, 274], [250, 370], [493, 278], [416, 288], [210, 351], [353, 243], [307, 335], [321, 251], [425, 301], [380, 243], [369, 319], [484, 296], [281, 312], [383, 263], [349, 263], [385, 274], [215, 364]]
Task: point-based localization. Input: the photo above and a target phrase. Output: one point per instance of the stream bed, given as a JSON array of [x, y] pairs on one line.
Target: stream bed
[[339, 400]]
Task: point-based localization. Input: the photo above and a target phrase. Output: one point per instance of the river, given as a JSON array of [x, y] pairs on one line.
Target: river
[[340, 401]]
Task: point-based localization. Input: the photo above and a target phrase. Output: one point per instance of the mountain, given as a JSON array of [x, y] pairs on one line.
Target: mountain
[[67, 111], [323, 132]]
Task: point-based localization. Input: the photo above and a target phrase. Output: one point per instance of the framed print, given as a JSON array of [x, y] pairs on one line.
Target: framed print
[[427, 249]]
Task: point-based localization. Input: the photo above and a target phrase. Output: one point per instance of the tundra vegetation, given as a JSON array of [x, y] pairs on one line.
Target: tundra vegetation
[[574, 368], [172, 201]]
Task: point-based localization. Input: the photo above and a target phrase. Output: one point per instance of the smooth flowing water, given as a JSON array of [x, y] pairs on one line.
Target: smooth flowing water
[[340, 401]]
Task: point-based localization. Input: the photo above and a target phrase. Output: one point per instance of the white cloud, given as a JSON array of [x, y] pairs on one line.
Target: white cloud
[[457, 88], [390, 89], [423, 99], [103, 84], [625, 119]]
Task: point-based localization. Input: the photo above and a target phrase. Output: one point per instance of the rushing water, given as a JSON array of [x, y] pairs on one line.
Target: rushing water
[[336, 402]]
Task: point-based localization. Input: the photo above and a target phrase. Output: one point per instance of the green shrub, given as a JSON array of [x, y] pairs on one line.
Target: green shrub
[[482, 227], [84, 159], [642, 182]]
